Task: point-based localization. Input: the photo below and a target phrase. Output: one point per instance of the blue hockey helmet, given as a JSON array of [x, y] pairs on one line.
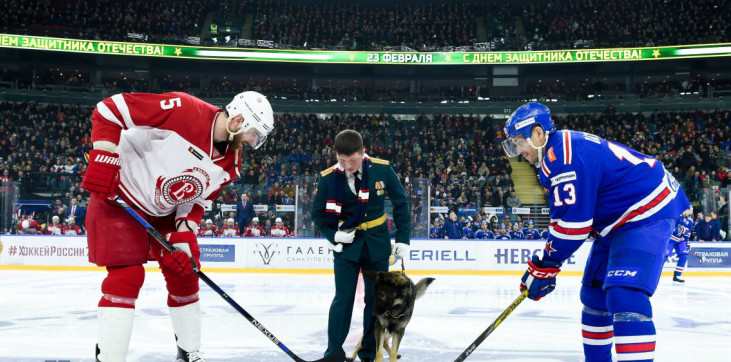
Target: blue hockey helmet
[[521, 123]]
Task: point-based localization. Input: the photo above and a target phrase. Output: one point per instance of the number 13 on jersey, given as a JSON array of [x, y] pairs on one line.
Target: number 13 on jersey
[[569, 192]]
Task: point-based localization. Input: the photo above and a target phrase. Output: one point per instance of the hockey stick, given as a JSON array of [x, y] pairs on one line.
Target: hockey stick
[[492, 327], [336, 357], [696, 255]]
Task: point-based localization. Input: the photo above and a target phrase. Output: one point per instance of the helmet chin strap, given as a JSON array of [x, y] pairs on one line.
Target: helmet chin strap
[[232, 134], [540, 151]]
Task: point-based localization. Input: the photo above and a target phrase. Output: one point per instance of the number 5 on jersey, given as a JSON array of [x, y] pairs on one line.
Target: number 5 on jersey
[[170, 103], [570, 190]]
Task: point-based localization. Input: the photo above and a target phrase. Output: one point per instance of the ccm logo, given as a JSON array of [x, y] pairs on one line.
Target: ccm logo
[[541, 274], [621, 273]]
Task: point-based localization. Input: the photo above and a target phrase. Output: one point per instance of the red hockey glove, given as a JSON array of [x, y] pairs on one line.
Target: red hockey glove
[[540, 278], [186, 250], [102, 175]]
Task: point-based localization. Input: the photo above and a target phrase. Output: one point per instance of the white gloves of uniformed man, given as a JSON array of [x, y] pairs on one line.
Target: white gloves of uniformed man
[[401, 250], [345, 237]]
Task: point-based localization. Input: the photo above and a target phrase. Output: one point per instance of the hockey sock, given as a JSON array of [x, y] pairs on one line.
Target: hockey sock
[[680, 267], [597, 332], [634, 331], [187, 326]]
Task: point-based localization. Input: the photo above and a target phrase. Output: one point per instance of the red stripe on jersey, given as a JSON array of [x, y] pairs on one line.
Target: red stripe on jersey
[[570, 231], [637, 347], [643, 209], [545, 169], [566, 148], [598, 335]]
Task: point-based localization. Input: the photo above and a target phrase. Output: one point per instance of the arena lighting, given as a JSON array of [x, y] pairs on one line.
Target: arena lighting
[[363, 57]]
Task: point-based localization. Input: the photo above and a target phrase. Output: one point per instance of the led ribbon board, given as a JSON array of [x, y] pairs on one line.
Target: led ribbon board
[[361, 57]]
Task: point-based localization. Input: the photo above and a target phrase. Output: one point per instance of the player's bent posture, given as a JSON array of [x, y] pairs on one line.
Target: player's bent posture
[[628, 200], [168, 156]]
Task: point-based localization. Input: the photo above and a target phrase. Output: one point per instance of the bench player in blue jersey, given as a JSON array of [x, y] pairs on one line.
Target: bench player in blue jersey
[[679, 241], [628, 199]]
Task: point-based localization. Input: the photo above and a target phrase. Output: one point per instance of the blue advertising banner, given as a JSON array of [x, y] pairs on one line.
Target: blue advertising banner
[[218, 253]]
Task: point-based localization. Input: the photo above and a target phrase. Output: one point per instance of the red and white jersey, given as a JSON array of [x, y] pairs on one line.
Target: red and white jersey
[[208, 231], [165, 145], [280, 232], [32, 229], [54, 229], [254, 231], [72, 230], [229, 231]]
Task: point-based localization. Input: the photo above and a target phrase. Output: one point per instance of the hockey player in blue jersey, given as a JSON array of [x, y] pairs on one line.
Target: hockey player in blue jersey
[[484, 232], [436, 232], [467, 232], [529, 233], [516, 234], [628, 199], [544, 234], [502, 233], [679, 241]]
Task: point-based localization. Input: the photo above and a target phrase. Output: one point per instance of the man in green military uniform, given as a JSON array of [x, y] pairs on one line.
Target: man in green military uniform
[[348, 211]]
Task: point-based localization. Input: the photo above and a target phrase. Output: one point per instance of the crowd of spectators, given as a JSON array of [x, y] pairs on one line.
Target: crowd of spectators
[[357, 27], [552, 25], [105, 20], [568, 23], [458, 155]]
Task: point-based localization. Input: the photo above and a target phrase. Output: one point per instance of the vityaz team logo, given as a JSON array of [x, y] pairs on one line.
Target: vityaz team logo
[[180, 189], [266, 252]]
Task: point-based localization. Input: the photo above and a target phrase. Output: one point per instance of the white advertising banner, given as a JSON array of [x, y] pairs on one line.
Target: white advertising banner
[[313, 253]]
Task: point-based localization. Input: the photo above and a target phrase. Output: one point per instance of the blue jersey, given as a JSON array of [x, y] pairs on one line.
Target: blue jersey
[[595, 184], [467, 233], [502, 237], [436, 233], [486, 234], [682, 230], [544, 234], [516, 235], [531, 234]]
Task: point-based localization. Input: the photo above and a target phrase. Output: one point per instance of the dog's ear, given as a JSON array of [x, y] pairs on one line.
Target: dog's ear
[[422, 285]]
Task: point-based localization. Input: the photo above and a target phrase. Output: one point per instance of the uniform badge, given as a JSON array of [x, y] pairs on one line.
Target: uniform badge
[[215, 153], [380, 186], [549, 248], [551, 155]]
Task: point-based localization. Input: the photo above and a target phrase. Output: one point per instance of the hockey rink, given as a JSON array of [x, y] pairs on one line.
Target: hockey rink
[[51, 316]]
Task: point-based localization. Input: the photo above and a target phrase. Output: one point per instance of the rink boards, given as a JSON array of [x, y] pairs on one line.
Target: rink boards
[[312, 255]]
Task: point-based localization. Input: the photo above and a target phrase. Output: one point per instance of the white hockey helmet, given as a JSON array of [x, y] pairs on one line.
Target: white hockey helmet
[[25, 224], [279, 219], [209, 221], [255, 219], [230, 220], [55, 217], [257, 114]]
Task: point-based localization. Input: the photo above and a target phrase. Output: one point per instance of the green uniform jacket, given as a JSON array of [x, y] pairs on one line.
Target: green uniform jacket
[[379, 242]]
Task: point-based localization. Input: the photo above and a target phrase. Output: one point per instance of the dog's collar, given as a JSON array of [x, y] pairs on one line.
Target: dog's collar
[[388, 314]]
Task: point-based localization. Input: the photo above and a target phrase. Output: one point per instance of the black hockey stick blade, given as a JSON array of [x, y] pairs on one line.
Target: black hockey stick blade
[[492, 327], [336, 357]]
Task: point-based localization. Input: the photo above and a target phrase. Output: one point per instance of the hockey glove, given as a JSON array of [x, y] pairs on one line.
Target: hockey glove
[[102, 175], [540, 278], [186, 250]]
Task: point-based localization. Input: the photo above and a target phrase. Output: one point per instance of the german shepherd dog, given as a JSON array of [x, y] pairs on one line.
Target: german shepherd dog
[[394, 305]]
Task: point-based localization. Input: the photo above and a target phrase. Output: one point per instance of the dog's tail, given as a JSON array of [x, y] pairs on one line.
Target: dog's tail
[[422, 285]]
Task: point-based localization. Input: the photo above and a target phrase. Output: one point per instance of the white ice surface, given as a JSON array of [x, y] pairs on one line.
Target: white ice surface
[[51, 315]]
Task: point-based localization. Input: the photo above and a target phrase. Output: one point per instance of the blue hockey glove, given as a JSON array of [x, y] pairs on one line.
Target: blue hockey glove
[[540, 278]]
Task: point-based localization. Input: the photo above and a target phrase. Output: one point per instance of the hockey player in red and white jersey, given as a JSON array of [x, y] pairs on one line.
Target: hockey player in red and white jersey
[[209, 229], [279, 230], [71, 228], [254, 230], [55, 227], [168, 156], [229, 230], [29, 227]]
